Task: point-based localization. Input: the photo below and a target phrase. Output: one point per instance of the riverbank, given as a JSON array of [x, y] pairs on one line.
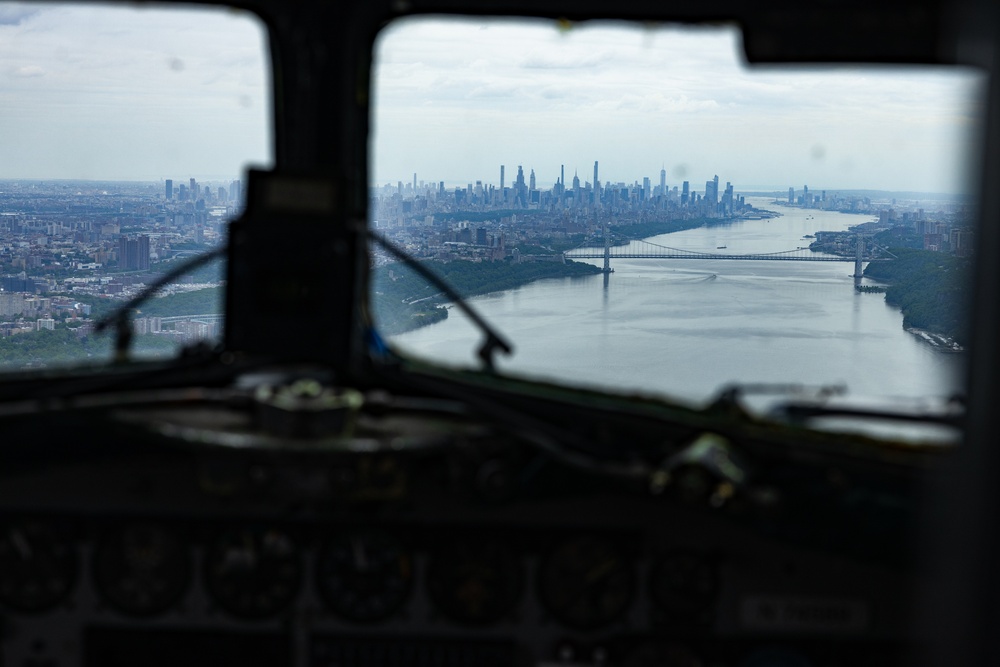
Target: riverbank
[[404, 301], [931, 290], [937, 341]]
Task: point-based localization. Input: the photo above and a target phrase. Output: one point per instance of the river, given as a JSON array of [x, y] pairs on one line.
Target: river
[[684, 328]]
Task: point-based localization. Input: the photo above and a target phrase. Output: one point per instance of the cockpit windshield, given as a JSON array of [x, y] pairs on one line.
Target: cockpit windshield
[[638, 210], [124, 138]]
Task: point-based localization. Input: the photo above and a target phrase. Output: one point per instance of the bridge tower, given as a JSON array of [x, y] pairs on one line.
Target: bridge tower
[[607, 247], [859, 253]]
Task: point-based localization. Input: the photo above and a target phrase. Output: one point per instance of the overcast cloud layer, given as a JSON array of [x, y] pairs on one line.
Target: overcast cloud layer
[[131, 94], [456, 99], [120, 93]]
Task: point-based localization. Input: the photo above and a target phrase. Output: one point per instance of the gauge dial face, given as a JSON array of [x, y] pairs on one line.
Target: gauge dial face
[[364, 576], [37, 566], [475, 583], [142, 569], [253, 572], [683, 585], [587, 583]]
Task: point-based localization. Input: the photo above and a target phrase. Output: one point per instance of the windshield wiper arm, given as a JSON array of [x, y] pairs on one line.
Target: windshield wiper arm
[[494, 340], [802, 412], [119, 318]]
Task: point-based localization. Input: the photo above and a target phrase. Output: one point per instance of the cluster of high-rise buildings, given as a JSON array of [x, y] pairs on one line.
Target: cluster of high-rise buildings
[[76, 241], [946, 228], [195, 192], [490, 221], [525, 194]]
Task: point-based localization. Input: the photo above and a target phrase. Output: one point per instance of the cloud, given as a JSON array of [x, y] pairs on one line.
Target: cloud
[[561, 61], [28, 71], [15, 13], [637, 98]]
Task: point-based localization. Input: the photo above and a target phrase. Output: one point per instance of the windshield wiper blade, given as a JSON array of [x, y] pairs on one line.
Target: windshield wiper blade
[[494, 340], [119, 318], [799, 413]]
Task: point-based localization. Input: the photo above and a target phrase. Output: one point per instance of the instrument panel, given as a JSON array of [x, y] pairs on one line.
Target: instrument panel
[[147, 569], [482, 553], [362, 594]]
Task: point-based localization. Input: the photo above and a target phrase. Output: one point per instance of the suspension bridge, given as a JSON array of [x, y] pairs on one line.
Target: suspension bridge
[[648, 250]]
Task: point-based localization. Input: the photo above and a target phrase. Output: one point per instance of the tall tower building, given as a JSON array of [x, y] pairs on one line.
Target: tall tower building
[[520, 188], [645, 187], [501, 178], [663, 182], [712, 190], [562, 177], [597, 185], [685, 193], [133, 253], [791, 195], [531, 180], [414, 184], [170, 189]]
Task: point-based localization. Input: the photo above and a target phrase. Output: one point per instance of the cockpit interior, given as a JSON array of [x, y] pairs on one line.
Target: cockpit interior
[[300, 492]]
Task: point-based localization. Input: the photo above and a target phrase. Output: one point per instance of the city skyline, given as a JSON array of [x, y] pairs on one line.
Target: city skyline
[[655, 182], [453, 97]]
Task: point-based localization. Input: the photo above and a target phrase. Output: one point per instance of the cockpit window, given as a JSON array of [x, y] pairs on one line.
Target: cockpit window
[[125, 134], [636, 209]]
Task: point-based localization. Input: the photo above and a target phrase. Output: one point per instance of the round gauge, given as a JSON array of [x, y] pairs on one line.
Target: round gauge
[[587, 583], [364, 576], [475, 583], [253, 572], [142, 569], [683, 585], [37, 567]]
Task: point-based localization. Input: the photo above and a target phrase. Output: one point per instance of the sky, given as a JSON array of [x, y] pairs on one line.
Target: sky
[[127, 93], [120, 93], [456, 99]]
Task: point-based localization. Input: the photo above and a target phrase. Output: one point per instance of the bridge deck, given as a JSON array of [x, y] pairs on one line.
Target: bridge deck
[[755, 258]]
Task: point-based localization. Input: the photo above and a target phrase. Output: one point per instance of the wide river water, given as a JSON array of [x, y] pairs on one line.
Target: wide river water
[[684, 328]]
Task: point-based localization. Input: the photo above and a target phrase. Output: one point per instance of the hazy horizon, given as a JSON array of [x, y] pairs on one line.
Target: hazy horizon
[[453, 99], [107, 93]]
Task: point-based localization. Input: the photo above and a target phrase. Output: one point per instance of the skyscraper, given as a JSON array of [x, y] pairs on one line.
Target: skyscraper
[[170, 189], [520, 188], [712, 191], [531, 180], [663, 182], [685, 193], [597, 186], [133, 253], [501, 178], [645, 188]]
